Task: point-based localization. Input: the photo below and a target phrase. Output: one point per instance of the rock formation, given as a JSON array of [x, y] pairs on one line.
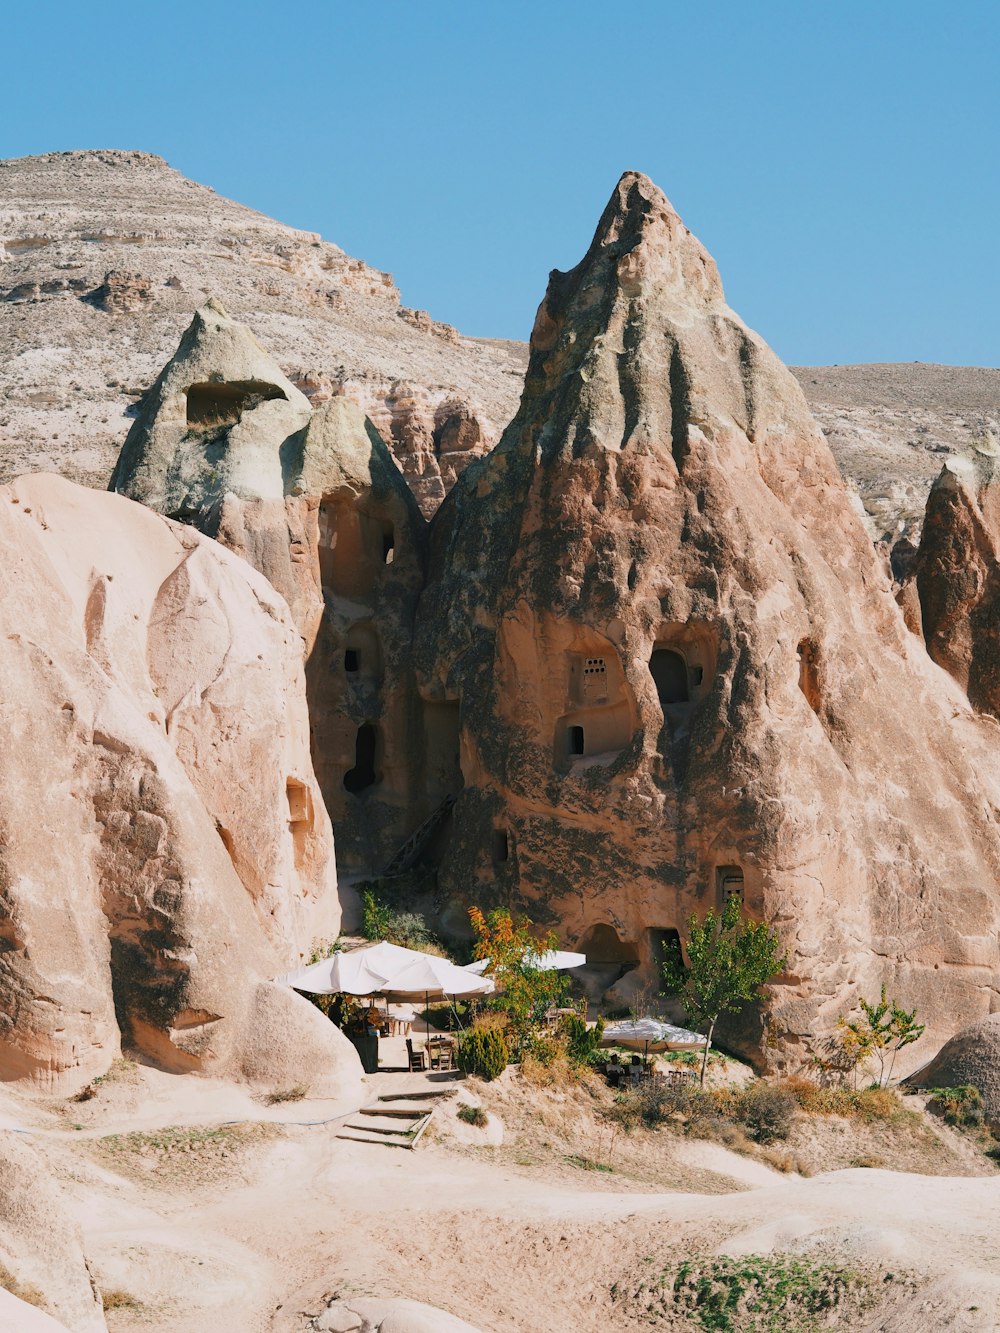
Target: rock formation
[[971, 1057], [957, 573], [40, 1247], [315, 502], [678, 669], [103, 256], [165, 847]]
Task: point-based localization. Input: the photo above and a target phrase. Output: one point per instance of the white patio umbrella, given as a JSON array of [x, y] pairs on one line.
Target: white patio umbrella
[[389, 970], [553, 960], [650, 1034]]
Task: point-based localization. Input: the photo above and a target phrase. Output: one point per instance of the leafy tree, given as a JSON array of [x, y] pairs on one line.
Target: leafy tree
[[881, 1033], [731, 957], [524, 993]]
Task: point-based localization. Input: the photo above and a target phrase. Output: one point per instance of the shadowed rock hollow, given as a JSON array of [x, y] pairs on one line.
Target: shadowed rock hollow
[[165, 846], [679, 667]]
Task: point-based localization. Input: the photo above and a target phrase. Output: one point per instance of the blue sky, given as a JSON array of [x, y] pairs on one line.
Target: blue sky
[[840, 160]]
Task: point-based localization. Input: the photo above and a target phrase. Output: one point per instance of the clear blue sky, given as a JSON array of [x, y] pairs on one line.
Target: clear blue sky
[[841, 159]]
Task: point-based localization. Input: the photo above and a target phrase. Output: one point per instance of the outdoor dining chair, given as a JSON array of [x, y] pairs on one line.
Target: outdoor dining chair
[[418, 1060]]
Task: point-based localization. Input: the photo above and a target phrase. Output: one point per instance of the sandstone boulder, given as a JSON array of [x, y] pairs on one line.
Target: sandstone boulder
[[40, 1249], [957, 573], [678, 670], [165, 846], [972, 1056]]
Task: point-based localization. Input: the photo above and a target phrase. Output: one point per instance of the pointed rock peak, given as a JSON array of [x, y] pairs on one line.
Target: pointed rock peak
[[641, 252], [217, 419]]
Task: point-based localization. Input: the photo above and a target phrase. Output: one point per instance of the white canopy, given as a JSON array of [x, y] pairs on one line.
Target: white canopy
[[553, 960], [651, 1034], [390, 970]]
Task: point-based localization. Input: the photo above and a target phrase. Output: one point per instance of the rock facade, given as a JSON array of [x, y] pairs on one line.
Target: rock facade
[[677, 667], [956, 573], [314, 501], [166, 847]]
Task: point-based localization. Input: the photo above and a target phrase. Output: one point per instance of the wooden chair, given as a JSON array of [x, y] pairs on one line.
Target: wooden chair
[[418, 1060]]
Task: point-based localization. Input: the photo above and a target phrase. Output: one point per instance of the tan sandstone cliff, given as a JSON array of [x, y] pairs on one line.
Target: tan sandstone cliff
[[679, 669], [314, 501], [165, 847]]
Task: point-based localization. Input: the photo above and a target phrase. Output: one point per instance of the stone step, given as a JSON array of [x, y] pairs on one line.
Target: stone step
[[426, 1095], [361, 1136], [412, 1111], [398, 1129]]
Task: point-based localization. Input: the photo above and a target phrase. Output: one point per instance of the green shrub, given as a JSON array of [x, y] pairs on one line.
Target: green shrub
[[473, 1115], [766, 1110], [484, 1052], [581, 1041], [376, 917], [962, 1106]]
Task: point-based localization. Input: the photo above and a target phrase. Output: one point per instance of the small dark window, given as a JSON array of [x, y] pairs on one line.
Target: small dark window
[[670, 675], [575, 740], [362, 775], [501, 846], [352, 660], [728, 883], [388, 543], [697, 676]]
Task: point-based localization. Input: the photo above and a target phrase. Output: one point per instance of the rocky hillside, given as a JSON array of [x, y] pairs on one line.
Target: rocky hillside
[[892, 426], [104, 256]]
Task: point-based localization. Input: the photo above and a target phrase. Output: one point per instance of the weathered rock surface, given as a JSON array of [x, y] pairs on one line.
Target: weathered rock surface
[[957, 573], [165, 844], [103, 256], [972, 1056], [680, 670], [314, 501], [40, 1247]]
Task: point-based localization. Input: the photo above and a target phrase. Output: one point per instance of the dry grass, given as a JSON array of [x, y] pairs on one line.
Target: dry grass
[[869, 1104], [280, 1095], [185, 1156], [22, 1290], [117, 1299]]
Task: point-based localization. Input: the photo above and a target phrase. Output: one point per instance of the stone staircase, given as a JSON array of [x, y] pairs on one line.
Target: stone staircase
[[407, 855], [396, 1120]]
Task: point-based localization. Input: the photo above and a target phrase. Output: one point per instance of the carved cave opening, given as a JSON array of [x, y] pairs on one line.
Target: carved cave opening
[[215, 406], [728, 884], [809, 684], [576, 743], [300, 817], [664, 947], [443, 748], [388, 543], [670, 676], [363, 775], [363, 652], [501, 846], [604, 947]]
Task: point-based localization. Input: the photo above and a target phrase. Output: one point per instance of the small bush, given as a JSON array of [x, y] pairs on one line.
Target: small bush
[[376, 917], [294, 1094], [484, 1052], [473, 1115], [962, 1106], [581, 1040], [766, 1109], [116, 1299]]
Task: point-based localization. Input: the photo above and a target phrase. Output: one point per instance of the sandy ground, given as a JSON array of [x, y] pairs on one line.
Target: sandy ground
[[247, 1227]]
